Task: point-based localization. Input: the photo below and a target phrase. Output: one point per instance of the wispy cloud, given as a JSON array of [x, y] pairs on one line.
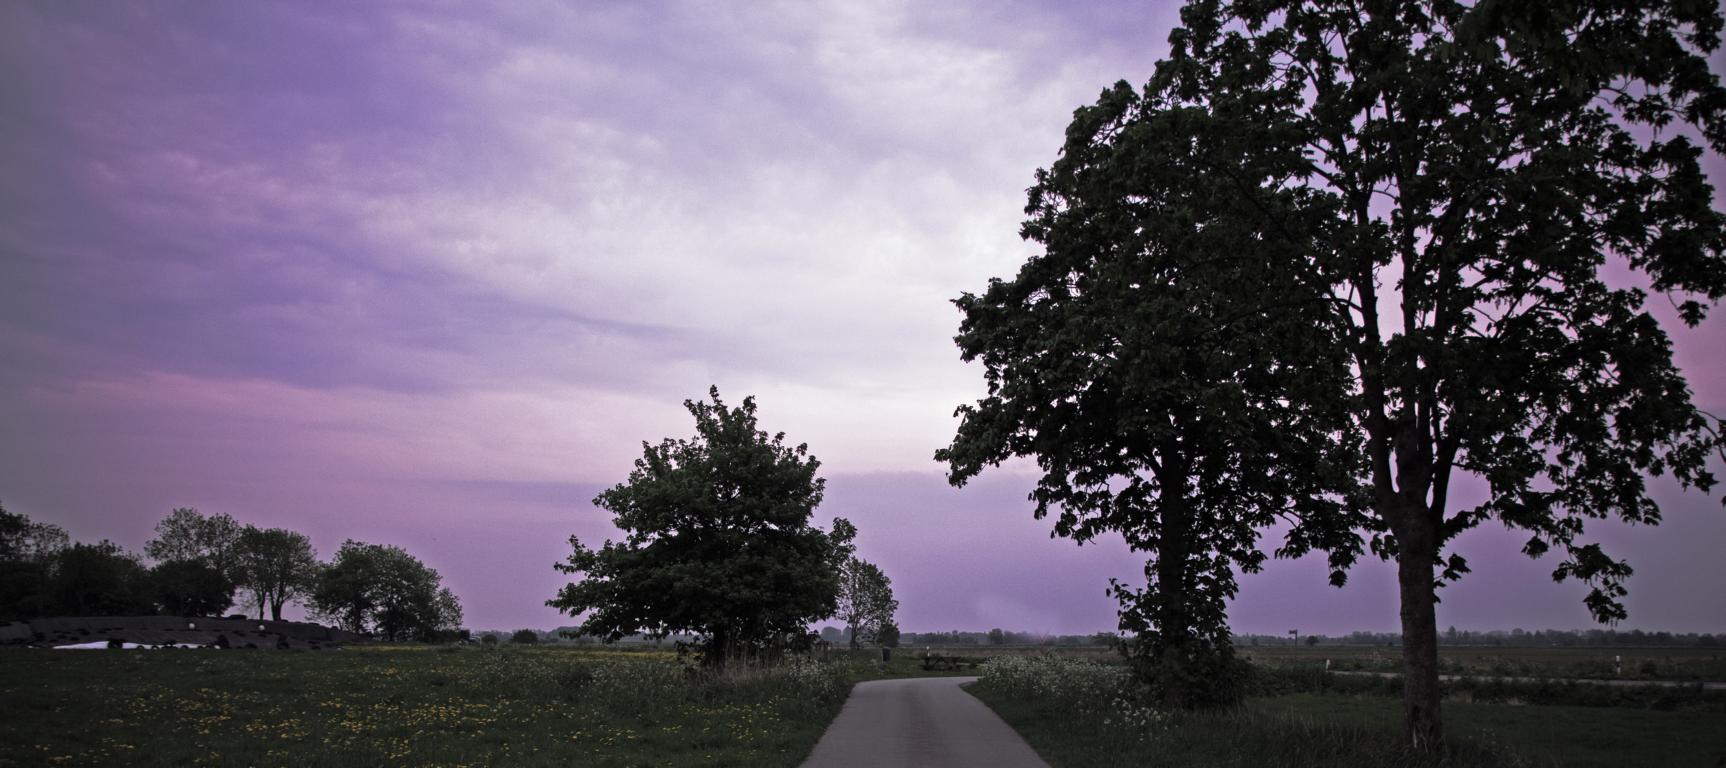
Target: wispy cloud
[[366, 265]]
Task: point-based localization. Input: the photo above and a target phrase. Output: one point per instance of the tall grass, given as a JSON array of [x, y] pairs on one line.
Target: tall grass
[[1078, 713], [529, 707]]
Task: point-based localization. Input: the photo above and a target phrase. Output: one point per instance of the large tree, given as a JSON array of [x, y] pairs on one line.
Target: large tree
[[716, 542], [866, 603], [274, 566], [1472, 174], [1164, 365]]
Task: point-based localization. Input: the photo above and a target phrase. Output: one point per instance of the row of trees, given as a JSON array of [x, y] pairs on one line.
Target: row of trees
[[1514, 638], [48, 574], [998, 636], [215, 557], [203, 564], [1335, 256], [717, 543]]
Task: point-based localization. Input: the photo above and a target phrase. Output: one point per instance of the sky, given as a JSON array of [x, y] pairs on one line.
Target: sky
[[428, 274]]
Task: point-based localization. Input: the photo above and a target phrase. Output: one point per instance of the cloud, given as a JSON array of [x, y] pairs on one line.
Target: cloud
[[391, 250]]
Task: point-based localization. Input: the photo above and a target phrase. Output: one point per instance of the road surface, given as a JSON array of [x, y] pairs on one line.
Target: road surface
[[919, 721]]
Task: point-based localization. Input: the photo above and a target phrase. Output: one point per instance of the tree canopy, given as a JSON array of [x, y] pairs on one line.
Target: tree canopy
[[190, 588], [1453, 184], [717, 542], [866, 603], [98, 580], [275, 566], [1163, 361], [185, 534], [372, 588]]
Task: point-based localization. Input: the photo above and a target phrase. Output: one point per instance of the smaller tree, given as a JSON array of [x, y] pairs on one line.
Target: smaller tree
[[28, 551], [185, 534], [343, 594], [276, 566], [717, 543], [524, 637], [190, 588], [888, 635], [98, 580], [997, 637], [22, 539], [383, 589], [866, 601]]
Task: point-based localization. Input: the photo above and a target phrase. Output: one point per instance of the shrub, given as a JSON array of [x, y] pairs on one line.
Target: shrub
[[1105, 692], [524, 637]]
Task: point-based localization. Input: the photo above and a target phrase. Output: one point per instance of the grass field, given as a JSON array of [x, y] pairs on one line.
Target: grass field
[[1556, 735], [1597, 663], [409, 705], [600, 706], [1076, 714]]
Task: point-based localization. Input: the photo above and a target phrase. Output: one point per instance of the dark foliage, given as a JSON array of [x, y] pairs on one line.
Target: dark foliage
[[717, 542], [1172, 365], [1453, 182], [190, 588], [98, 580], [383, 590]]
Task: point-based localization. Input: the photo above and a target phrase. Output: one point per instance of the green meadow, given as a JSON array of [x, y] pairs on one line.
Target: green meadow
[[413, 705]]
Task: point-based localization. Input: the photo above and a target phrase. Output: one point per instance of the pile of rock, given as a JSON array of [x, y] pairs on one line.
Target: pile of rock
[[174, 631]]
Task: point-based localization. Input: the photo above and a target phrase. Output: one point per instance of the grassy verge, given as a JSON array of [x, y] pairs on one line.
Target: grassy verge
[[1287, 678], [411, 706], [1561, 735], [1686, 664], [1075, 715]]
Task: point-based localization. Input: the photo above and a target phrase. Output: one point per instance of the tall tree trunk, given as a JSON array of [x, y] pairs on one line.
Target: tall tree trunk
[[1173, 620], [276, 610], [1417, 537], [1173, 546], [719, 647]]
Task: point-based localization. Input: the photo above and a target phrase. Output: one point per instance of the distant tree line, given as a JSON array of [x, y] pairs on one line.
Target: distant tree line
[[998, 636], [1515, 638], [200, 565]]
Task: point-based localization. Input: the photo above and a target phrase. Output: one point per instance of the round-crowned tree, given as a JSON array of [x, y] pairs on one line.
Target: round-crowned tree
[[717, 543]]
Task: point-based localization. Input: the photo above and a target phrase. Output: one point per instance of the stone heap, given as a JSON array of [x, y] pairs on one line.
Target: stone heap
[[176, 630]]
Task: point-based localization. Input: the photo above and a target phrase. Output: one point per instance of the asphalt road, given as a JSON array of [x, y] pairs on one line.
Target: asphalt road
[[919, 721]]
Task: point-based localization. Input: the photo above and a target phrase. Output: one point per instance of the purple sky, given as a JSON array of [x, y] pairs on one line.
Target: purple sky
[[428, 275]]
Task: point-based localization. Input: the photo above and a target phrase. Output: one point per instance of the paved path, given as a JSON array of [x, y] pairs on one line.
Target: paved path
[[919, 721]]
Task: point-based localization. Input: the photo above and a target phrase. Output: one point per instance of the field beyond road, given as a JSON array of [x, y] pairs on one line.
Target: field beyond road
[[1079, 713]]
